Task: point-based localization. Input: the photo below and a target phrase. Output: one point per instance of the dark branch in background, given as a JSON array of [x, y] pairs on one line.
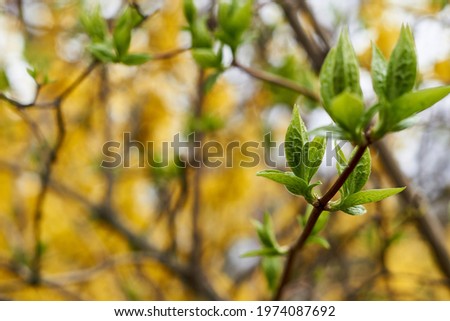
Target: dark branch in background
[[194, 278], [427, 224], [45, 179], [196, 236], [315, 52], [47, 172]]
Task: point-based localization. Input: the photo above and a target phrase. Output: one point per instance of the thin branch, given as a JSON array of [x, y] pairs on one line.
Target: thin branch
[[110, 217], [45, 180], [316, 55], [169, 54], [77, 82], [279, 81]]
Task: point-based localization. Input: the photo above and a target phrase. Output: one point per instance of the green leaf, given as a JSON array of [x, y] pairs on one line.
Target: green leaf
[[369, 115], [321, 222], [326, 79], [355, 210], [378, 71], [296, 138], [211, 81], [190, 11], [325, 131], [358, 178], [347, 110], [341, 160], [369, 196], [201, 36], [233, 20], [265, 232], [102, 52], [402, 67], [360, 175], [94, 25], [240, 19], [135, 59], [346, 68], [315, 239], [293, 184], [272, 268], [122, 38], [206, 58], [415, 102], [129, 19], [313, 154], [32, 72], [264, 238]]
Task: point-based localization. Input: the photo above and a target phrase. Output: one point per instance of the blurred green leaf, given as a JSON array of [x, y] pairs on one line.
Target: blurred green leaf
[[315, 239], [122, 39], [189, 10], [272, 267], [233, 20], [211, 81], [265, 231], [135, 59], [102, 51], [94, 25], [201, 36], [129, 19], [206, 58]]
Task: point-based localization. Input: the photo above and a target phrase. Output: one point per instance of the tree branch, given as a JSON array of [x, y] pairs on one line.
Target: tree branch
[[279, 81], [319, 207]]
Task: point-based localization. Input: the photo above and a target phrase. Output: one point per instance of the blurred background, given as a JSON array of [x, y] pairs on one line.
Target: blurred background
[[73, 230]]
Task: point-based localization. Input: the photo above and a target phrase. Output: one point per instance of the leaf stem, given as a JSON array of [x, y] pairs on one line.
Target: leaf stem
[[319, 207]]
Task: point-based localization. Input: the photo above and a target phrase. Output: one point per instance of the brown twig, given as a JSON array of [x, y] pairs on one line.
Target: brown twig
[[35, 277], [169, 54], [315, 53], [276, 80]]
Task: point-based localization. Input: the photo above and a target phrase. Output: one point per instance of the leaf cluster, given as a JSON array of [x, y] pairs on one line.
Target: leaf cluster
[[113, 48]]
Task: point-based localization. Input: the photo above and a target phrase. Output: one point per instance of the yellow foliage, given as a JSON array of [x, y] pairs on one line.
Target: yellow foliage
[[442, 70]]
